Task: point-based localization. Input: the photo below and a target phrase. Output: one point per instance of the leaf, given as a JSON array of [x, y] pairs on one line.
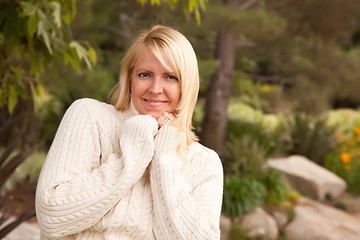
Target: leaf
[[81, 52], [28, 8], [56, 13], [38, 91], [192, 5], [198, 16], [32, 24], [12, 99], [92, 55], [69, 58], [18, 86], [42, 31], [202, 4], [155, 2], [66, 18], [35, 65]]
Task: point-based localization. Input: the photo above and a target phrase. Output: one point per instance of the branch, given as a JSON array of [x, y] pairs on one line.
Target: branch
[[11, 226]]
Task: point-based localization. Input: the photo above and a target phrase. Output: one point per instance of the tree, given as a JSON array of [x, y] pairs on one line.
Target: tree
[[33, 35], [219, 91]]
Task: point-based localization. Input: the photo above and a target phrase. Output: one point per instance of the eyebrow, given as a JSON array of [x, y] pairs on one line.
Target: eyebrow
[[146, 70]]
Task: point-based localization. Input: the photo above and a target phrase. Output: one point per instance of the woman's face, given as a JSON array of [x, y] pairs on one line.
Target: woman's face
[[154, 89]]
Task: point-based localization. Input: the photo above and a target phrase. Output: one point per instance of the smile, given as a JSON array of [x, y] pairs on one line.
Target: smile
[[154, 102]]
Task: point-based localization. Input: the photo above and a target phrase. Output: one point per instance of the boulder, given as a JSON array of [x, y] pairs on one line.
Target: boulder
[[280, 218], [259, 223], [308, 177], [315, 221]]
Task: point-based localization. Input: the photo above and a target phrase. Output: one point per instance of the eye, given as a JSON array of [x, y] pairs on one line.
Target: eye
[[172, 77], [144, 75]]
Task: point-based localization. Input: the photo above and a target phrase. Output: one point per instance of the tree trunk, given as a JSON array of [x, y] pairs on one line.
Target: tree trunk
[[215, 120]]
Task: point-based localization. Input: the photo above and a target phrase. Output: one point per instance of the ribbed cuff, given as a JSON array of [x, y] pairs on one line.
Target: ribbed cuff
[[167, 139], [141, 125]]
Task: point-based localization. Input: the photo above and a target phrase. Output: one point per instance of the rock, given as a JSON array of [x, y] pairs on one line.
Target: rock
[[308, 177], [314, 221], [280, 218], [259, 224], [352, 203], [225, 227]]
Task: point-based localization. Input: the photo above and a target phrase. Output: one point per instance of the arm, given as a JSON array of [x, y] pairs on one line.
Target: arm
[[185, 210], [71, 194]]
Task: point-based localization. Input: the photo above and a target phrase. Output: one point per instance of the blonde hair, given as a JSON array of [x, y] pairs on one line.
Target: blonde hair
[[175, 52]]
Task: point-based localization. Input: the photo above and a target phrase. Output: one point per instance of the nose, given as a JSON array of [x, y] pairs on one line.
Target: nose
[[156, 86]]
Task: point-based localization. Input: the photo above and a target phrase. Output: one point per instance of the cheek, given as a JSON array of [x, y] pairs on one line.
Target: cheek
[[177, 95]]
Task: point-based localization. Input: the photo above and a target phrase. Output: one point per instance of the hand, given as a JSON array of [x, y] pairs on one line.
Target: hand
[[166, 119]]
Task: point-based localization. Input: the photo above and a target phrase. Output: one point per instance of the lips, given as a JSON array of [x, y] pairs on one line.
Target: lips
[[154, 102]]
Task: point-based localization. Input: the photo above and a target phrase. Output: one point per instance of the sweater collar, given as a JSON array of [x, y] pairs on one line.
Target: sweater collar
[[131, 111]]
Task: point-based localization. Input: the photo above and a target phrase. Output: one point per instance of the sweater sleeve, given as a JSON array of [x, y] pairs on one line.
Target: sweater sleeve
[[71, 196], [183, 209]]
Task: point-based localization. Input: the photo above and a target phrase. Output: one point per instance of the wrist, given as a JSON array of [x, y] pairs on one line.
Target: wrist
[[167, 139], [141, 125]]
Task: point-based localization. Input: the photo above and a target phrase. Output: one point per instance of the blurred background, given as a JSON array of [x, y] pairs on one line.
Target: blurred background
[[278, 78]]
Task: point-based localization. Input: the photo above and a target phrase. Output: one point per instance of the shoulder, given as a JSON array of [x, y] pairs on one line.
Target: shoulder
[[88, 104], [206, 157], [96, 109]]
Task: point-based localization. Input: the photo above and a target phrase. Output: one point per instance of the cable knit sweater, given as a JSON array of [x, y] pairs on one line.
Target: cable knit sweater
[[114, 175]]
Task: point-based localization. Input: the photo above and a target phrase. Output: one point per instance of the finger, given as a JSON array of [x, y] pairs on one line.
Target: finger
[[166, 119], [170, 116]]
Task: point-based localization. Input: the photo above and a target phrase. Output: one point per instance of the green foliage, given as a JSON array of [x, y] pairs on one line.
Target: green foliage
[[242, 194], [188, 6], [277, 186], [47, 111], [249, 142], [264, 97], [244, 155], [311, 136], [34, 34], [345, 160]]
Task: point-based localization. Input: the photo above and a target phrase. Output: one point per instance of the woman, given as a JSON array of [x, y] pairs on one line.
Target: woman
[[134, 169]]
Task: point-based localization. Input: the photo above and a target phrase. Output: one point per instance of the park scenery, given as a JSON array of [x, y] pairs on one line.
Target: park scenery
[[279, 102]]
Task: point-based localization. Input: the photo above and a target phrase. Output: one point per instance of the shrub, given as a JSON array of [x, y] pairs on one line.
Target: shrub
[[243, 155], [278, 189], [311, 136], [242, 194], [345, 161]]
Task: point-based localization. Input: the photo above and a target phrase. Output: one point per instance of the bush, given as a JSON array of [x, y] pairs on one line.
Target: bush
[[243, 155], [248, 144], [311, 136], [278, 188], [345, 161], [242, 194]]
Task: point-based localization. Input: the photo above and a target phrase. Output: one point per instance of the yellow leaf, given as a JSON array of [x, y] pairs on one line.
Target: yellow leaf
[[92, 55], [12, 99]]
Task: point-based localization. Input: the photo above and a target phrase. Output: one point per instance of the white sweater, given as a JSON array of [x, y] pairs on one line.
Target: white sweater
[[114, 175]]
